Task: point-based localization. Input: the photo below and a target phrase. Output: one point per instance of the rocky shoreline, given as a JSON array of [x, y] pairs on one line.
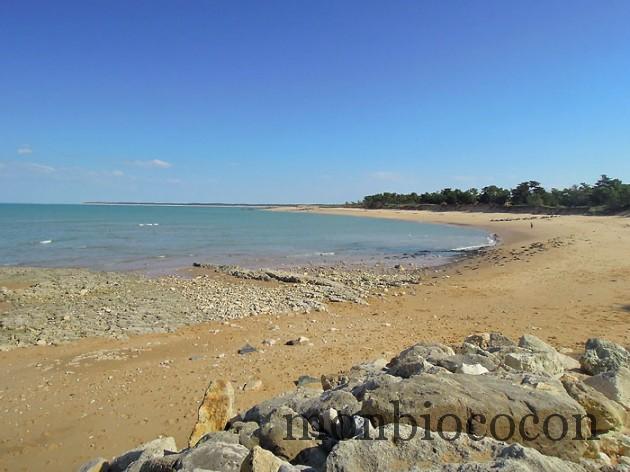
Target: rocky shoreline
[[52, 306], [487, 404]]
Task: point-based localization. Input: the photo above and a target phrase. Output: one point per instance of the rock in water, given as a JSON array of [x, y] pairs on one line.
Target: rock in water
[[215, 410]]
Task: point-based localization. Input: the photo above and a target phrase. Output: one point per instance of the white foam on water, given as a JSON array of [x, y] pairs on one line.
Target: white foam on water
[[491, 241], [46, 241]]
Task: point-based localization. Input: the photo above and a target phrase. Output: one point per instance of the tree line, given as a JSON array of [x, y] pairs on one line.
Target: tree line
[[606, 194]]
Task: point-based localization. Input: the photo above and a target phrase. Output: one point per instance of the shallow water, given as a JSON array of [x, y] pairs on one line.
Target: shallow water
[[162, 238]]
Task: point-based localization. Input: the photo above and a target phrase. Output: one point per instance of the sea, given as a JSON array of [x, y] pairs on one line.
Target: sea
[[159, 239]]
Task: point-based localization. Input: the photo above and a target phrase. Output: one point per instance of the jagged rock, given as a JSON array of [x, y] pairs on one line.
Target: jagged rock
[[418, 359], [135, 457], [614, 444], [341, 401], [158, 464], [614, 385], [213, 456], [215, 410], [607, 413], [330, 381], [287, 434], [603, 356], [95, 465], [461, 397], [489, 341], [449, 455], [247, 433], [534, 362], [534, 344], [261, 460], [454, 363], [227, 437]]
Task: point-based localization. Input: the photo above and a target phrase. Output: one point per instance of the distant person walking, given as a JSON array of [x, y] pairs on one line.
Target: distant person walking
[[531, 224]]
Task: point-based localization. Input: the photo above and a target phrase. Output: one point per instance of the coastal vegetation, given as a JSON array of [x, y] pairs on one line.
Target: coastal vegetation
[[606, 195]]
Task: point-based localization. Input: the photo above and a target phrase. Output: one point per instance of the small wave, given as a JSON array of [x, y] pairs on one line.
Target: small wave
[[46, 241], [491, 241], [325, 253]]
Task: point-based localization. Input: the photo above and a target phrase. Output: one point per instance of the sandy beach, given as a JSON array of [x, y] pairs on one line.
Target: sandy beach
[[564, 280]]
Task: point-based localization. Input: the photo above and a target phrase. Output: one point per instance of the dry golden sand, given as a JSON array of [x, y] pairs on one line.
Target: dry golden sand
[[60, 406]]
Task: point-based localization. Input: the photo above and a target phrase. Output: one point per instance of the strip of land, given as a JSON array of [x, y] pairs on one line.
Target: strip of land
[[563, 279]]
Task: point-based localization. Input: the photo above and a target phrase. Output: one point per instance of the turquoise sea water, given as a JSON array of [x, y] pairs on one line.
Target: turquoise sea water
[[161, 238]]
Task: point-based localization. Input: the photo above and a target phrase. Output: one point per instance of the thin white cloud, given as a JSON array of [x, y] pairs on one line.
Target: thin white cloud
[[39, 168], [174, 181], [25, 150], [154, 163], [118, 173], [385, 176]]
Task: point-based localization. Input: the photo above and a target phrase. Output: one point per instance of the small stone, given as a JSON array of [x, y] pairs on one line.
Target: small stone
[[296, 342], [247, 349]]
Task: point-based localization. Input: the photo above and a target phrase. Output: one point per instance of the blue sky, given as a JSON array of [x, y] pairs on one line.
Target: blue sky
[[295, 101]]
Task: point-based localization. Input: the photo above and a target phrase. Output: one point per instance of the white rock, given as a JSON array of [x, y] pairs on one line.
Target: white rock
[[472, 369]]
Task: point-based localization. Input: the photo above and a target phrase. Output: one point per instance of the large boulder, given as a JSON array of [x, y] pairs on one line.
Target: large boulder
[[340, 400], [287, 434], [95, 465], [262, 412], [261, 460], [603, 356], [534, 362], [225, 457], [537, 345], [399, 450], [607, 413], [544, 419], [460, 362], [418, 359], [614, 385], [247, 433], [133, 459], [215, 410]]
